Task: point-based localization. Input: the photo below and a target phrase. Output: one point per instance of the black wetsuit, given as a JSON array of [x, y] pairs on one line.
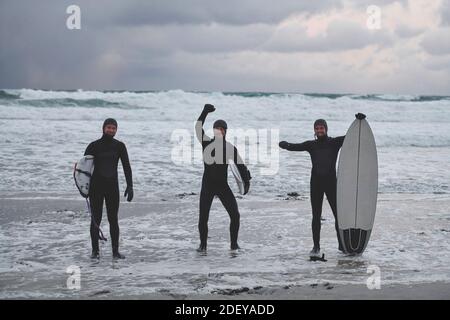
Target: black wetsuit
[[105, 185], [216, 156], [323, 152]]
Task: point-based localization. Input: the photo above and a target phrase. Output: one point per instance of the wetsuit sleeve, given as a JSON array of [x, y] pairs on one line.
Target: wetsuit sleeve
[[304, 146], [126, 165], [200, 133], [89, 149], [339, 141]]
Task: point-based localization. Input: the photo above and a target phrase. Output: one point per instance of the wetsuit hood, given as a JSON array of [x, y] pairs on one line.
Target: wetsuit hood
[[321, 122], [109, 121], [220, 124]]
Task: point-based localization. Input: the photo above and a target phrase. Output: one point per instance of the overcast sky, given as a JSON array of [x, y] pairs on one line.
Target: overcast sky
[[233, 45]]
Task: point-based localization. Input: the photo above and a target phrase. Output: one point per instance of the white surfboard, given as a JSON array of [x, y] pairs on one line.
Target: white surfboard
[[82, 174], [357, 187], [237, 177]]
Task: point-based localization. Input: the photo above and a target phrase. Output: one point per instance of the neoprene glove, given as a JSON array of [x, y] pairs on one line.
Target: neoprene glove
[[246, 187], [247, 183], [129, 193], [360, 116], [283, 144], [209, 108]]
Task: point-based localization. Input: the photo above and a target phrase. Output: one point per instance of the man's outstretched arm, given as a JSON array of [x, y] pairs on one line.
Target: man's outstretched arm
[[304, 146], [199, 132]]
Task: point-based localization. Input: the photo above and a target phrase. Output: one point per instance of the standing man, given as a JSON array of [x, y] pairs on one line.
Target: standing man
[[105, 185], [323, 151], [216, 155]]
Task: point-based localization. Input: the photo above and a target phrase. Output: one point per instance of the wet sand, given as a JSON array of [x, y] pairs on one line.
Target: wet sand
[[41, 236]]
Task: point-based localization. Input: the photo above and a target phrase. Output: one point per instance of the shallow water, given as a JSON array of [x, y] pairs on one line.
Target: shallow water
[[409, 244], [43, 133]]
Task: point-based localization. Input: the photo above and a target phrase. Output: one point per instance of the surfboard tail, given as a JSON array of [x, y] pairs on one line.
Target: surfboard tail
[[354, 241]]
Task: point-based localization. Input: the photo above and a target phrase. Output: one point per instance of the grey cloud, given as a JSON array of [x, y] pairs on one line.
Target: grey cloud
[[235, 12], [437, 42], [340, 35], [445, 13], [42, 52], [199, 38], [438, 63], [364, 4], [200, 46], [405, 31]]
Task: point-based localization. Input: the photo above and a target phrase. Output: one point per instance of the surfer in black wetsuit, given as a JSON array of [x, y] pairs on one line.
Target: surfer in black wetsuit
[[216, 155], [105, 185], [323, 151]]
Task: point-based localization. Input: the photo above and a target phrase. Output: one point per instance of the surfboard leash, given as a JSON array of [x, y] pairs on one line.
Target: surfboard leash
[[100, 233]]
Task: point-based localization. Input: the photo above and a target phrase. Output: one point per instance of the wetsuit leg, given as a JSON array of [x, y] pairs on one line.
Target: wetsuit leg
[[112, 200], [96, 196], [330, 192], [206, 198], [316, 194], [228, 200]]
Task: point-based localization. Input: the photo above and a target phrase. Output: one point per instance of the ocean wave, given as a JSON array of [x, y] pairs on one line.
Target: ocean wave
[[58, 99], [252, 94], [112, 96], [334, 96], [108, 95], [68, 102], [8, 96], [327, 95], [399, 98]]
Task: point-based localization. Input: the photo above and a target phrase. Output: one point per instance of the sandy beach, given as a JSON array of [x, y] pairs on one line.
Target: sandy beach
[[42, 235]]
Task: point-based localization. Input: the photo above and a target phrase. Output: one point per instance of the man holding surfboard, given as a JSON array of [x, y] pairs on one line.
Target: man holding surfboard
[[217, 152], [104, 184], [323, 152]]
